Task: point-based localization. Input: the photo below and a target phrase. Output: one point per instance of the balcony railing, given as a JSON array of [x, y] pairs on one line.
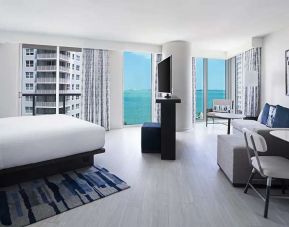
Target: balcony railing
[[46, 56], [47, 105], [52, 80], [47, 91], [53, 56], [52, 68], [37, 105], [46, 68]]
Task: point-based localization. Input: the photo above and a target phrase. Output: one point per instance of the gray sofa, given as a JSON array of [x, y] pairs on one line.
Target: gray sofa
[[231, 151]]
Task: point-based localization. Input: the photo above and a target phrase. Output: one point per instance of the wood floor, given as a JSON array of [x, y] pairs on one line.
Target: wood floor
[[190, 191]]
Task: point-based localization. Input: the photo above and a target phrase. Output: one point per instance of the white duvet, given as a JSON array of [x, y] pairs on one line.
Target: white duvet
[[32, 139]]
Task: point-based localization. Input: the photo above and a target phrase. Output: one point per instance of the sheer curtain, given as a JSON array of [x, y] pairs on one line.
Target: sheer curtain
[[157, 107], [246, 95], [194, 89], [252, 62], [96, 87]]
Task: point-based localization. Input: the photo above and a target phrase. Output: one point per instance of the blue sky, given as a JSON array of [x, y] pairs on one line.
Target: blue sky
[[137, 70], [216, 74]]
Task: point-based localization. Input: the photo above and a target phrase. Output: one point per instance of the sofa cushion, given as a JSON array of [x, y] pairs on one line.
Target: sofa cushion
[[239, 124], [281, 119], [265, 113], [271, 116]]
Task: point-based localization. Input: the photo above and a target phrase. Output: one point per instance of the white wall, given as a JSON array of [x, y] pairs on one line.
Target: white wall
[[67, 41], [116, 89], [9, 66], [273, 68], [181, 80]]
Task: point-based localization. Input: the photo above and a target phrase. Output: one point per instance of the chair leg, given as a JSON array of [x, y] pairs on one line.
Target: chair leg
[[250, 180], [269, 179]]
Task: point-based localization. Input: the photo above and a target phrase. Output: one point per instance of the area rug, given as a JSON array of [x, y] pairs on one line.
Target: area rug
[[32, 201]]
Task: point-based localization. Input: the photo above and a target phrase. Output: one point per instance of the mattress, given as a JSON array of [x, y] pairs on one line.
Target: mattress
[[31, 139]]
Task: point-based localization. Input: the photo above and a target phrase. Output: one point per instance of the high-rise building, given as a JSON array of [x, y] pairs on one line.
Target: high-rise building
[[39, 81]]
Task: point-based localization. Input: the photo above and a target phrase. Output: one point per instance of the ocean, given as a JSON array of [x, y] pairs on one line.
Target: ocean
[[137, 104]]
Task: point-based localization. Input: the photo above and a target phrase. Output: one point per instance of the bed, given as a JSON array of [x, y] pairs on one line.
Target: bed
[[36, 146]]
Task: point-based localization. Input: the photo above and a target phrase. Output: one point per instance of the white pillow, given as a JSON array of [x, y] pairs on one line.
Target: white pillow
[[260, 116]]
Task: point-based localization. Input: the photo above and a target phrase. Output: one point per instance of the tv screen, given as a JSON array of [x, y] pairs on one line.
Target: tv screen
[[164, 75]]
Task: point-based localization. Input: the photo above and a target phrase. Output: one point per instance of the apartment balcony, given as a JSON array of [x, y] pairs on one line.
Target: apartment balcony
[[52, 56], [52, 80], [51, 68], [47, 56], [53, 92], [45, 68], [47, 105]]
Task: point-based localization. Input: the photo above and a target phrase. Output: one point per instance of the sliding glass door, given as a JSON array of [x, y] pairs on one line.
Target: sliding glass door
[[216, 81], [210, 84], [137, 92]]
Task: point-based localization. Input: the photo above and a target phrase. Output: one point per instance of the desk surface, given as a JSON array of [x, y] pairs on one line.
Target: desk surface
[[173, 99], [281, 134]]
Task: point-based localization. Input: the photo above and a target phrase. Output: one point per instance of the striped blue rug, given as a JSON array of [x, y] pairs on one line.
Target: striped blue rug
[[32, 201]]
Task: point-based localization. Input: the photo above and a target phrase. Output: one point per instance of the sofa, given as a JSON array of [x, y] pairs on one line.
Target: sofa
[[232, 157]]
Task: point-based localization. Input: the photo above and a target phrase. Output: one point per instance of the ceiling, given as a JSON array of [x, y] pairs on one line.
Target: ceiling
[[209, 24]]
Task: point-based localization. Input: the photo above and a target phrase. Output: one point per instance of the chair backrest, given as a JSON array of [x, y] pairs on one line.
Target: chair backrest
[[255, 143], [222, 102]]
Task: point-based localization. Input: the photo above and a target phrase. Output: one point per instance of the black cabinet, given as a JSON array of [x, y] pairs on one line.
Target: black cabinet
[[168, 127]]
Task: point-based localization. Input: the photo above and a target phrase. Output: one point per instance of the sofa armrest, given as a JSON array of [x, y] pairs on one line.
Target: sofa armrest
[[275, 145]]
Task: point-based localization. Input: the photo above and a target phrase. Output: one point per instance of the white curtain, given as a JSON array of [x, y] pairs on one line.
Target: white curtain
[[194, 89], [251, 100], [157, 106], [96, 87]]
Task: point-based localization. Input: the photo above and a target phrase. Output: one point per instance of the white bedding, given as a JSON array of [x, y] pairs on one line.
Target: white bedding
[[31, 139]]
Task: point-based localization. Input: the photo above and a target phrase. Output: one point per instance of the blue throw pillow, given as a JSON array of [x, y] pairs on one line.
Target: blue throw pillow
[[271, 116], [281, 119], [265, 114]]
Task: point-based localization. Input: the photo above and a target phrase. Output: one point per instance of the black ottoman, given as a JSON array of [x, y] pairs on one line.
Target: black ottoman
[[151, 137]]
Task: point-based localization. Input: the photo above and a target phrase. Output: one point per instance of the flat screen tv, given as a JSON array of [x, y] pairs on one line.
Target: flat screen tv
[[165, 76]]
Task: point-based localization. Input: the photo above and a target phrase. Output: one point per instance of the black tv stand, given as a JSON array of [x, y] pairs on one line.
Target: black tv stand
[[168, 126]]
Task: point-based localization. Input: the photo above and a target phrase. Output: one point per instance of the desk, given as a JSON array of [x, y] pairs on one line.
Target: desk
[[168, 127], [281, 134]]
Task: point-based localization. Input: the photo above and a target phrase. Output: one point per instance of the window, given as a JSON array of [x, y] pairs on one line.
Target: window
[[29, 51], [40, 79], [28, 98], [29, 75], [199, 88], [77, 77], [137, 88], [72, 66], [77, 106], [72, 107], [72, 86], [77, 97], [29, 63], [72, 97], [212, 71], [29, 109], [77, 67], [77, 57], [77, 115], [216, 81], [77, 86], [29, 86]]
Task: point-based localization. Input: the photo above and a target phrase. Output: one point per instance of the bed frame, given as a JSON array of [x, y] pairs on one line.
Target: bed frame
[[28, 172]]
